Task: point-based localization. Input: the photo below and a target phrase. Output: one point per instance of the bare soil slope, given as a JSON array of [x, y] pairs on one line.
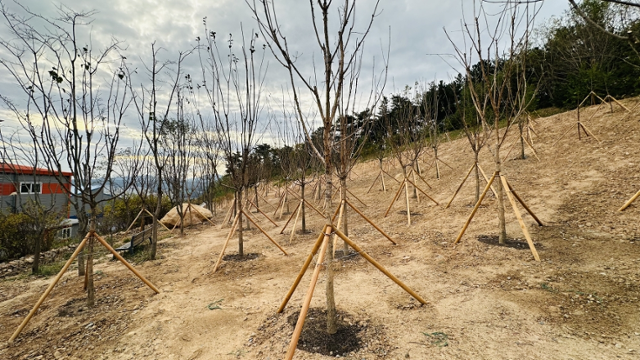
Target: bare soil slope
[[485, 301]]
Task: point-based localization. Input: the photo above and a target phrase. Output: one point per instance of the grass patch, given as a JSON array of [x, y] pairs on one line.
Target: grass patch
[[51, 269], [438, 338]]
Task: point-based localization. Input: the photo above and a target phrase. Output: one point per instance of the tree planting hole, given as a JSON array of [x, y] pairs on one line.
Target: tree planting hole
[[315, 339], [518, 244], [237, 257]]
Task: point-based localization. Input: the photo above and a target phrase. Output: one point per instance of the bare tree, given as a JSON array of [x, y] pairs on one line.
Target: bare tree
[[152, 116], [81, 100], [232, 84], [493, 54], [339, 47]]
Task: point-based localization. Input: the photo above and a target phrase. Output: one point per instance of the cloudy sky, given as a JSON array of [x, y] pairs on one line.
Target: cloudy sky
[[413, 29]]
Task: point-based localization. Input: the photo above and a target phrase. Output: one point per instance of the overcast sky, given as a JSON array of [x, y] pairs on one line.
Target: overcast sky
[[415, 28]]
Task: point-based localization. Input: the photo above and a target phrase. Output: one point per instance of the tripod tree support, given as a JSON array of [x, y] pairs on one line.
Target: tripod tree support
[[371, 222], [324, 238], [633, 198], [263, 214], [307, 300], [295, 211], [520, 221], [475, 208], [226, 242], [264, 232], [66, 267]]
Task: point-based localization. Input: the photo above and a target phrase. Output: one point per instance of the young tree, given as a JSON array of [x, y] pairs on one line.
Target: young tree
[[499, 93], [232, 84], [81, 102], [339, 46], [152, 117]]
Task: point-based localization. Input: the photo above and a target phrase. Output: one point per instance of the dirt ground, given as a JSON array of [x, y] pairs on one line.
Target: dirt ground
[[484, 301]]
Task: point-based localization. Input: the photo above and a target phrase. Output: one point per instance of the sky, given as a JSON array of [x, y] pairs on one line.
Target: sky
[[411, 30]]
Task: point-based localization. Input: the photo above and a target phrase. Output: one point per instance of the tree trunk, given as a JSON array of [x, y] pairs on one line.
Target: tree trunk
[[477, 173], [239, 230], [406, 193], [384, 188], [435, 152], [502, 224], [522, 154], [36, 252], [345, 226], [332, 321], [82, 228], [256, 191], [89, 275], [304, 220]]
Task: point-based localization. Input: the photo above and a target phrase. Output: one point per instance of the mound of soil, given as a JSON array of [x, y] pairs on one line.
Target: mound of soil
[[517, 244], [238, 258]]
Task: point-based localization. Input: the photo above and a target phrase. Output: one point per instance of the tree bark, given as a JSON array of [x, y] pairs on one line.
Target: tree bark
[[502, 237], [521, 128], [477, 173], [345, 226], [304, 220], [239, 230], [89, 275], [406, 193], [36, 253]]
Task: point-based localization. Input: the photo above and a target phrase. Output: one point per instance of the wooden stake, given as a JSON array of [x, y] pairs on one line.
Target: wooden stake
[[226, 242], [588, 132], [524, 205], [423, 180], [335, 238], [495, 193], [379, 266], [389, 175], [49, 289], [371, 222], [123, 261], [191, 208], [157, 220], [307, 300], [374, 182], [316, 246], [290, 217], [460, 187], [531, 147], [394, 198], [633, 198], [475, 208], [520, 221], [134, 220], [264, 232], [425, 194], [265, 215], [295, 223]]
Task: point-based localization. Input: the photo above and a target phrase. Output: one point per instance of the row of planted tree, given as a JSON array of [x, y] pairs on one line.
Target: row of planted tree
[[191, 126]]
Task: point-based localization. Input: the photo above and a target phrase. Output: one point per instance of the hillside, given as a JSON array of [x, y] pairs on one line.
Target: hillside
[[484, 301]]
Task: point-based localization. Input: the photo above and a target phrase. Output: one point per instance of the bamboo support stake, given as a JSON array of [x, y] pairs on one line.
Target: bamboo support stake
[[374, 182], [415, 181], [291, 217], [523, 226], [226, 242], [295, 223], [49, 289], [191, 208], [265, 215], [460, 187], [531, 147], [354, 195], [371, 222], [588, 132], [307, 300], [406, 194], [389, 175], [394, 198], [475, 208], [633, 198], [123, 261], [157, 221], [307, 262], [335, 238], [495, 193], [264, 232], [134, 220], [450, 167], [524, 205], [227, 217], [424, 193], [275, 212], [379, 266], [310, 205], [424, 181]]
